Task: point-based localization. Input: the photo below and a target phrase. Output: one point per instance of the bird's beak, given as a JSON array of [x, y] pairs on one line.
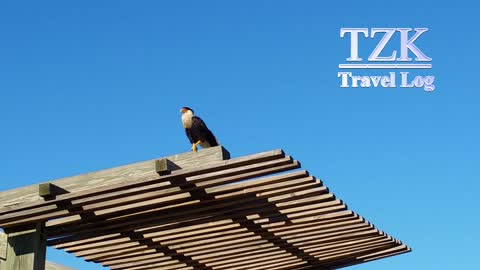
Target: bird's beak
[[182, 110]]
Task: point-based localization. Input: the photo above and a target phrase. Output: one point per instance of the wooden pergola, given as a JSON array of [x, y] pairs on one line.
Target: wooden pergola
[[191, 211]]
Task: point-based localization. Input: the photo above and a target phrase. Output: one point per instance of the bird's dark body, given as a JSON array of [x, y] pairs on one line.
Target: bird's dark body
[[200, 132]]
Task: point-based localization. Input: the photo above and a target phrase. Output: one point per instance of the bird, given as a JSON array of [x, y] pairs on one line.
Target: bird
[[196, 130]]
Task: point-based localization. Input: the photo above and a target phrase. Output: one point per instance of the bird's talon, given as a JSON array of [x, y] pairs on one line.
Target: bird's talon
[[194, 148]]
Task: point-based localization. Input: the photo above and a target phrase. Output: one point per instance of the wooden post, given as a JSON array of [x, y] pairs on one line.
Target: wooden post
[[3, 256], [3, 250], [26, 248]]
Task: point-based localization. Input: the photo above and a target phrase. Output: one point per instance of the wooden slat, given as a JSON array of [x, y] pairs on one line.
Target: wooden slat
[[230, 214], [260, 265], [268, 183], [170, 195], [384, 253], [91, 240], [177, 214], [147, 232], [121, 190], [250, 255], [261, 252], [253, 260], [54, 266], [12, 199], [203, 243], [195, 249], [195, 189], [241, 254], [149, 257], [354, 247], [347, 243], [280, 266], [351, 254], [398, 250], [173, 233], [308, 228], [160, 261], [98, 253], [318, 211], [209, 209]]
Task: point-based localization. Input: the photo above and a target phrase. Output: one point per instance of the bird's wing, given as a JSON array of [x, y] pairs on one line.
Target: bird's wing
[[210, 138], [190, 135], [198, 123], [204, 133]]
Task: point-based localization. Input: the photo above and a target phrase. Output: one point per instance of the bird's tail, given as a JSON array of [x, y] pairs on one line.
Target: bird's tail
[[211, 140]]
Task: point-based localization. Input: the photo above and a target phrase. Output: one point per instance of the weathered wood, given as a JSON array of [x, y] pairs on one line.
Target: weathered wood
[[195, 248], [128, 197], [149, 205], [369, 257], [254, 260], [3, 256], [3, 250], [165, 166], [3, 246], [241, 204], [26, 248], [318, 213], [347, 243], [244, 213], [54, 266], [260, 264], [278, 266], [175, 236], [124, 174], [165, 198], [147, 179]]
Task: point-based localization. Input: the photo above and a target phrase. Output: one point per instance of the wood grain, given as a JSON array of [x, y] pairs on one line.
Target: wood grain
[[54, 266], [114, 176], [3, 246], [26, 249], [251, 212]]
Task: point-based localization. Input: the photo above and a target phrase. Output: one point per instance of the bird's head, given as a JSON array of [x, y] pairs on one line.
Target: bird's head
[[184, 110]]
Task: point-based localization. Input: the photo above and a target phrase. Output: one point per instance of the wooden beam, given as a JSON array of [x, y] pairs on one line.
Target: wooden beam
[[26, 248], [121, 197], [49, 191], [164, 166], [118, 175], [140, 181]]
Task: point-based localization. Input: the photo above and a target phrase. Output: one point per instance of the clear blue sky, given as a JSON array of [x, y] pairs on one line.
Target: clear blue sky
[[87, 85]]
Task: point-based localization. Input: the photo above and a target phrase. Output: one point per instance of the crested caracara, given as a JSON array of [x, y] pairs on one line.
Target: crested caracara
[[196, 130]]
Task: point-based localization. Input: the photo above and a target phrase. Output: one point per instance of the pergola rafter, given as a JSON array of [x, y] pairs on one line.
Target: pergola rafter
[[199, 211]]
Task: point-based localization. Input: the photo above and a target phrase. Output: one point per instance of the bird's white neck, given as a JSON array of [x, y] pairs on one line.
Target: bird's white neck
[[187, 119]]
